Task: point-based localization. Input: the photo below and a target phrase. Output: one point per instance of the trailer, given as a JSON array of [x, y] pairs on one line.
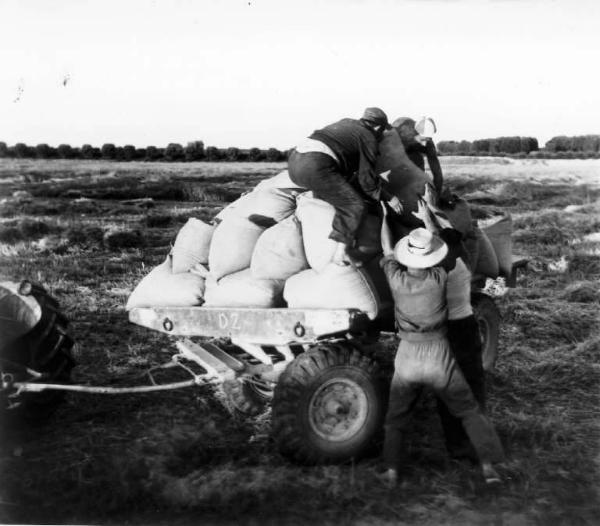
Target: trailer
[[320, 370]]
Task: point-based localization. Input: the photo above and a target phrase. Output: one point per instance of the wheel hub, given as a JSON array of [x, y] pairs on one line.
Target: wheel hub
[[338, 409]]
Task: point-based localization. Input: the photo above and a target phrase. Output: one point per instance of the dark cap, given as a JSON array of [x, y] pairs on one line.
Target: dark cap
[[403, 121], [376, 116]]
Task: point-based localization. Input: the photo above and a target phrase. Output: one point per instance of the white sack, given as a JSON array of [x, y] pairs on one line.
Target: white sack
[[316, 217], [279, 252], [264, 207], [338, 287], [499, 233], [192, 245], [242, 290], [162, 288], [281, 181], [232, 245]]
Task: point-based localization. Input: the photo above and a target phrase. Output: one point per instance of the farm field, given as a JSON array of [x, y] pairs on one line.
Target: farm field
[[180, 457]]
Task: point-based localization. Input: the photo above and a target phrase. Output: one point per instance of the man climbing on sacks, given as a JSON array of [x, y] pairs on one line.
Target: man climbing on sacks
[[418, 143], [326, 163]]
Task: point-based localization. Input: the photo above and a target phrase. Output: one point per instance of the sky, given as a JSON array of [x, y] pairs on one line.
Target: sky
[[268, 72]]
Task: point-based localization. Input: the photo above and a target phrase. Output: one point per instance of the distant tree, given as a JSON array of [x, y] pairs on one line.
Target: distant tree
[[87, 151], [109, 151], [64, 151], [274, 155], [128, 152], [194, 151], [213, 154], [140, 154], [255, 154], [43, 151], [464, 148], [174, 152], [96, 153], [3, 149], [22, 151], [119, 153], [232, 154], [152, 153]]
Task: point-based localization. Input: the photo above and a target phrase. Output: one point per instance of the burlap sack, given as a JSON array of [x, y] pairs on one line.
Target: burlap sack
[[337, 287], [265, 206], [161, 288], [242, 290], [498, 231], [192, 245], [279, 252], [487, 262], [232, 246]]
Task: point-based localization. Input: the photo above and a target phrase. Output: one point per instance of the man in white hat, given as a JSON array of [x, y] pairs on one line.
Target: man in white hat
[[417, 138], [418, 284]]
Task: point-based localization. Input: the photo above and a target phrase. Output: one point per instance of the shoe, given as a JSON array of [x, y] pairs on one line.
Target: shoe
[[490, 475]]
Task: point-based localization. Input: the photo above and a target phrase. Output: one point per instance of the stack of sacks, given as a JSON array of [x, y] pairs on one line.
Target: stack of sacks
[[260, 246]]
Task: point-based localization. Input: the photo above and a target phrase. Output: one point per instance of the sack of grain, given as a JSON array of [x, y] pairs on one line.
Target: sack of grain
[[242, 290], [338, 287], [265, 206], [487, 262], [498, 231], [232, 245], [162, 288], [279, 252], [192, 245], [459, 215], [281, 181], [316, 218], [406, 180]]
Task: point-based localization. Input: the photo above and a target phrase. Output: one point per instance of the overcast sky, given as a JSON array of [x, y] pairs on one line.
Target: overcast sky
[[268, 72]]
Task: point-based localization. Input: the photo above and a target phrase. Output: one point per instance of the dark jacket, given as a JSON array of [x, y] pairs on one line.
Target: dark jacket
[[416, 152], [356, 148]]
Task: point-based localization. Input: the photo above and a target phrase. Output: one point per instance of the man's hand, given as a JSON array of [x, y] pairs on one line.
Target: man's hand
[[395, 205]]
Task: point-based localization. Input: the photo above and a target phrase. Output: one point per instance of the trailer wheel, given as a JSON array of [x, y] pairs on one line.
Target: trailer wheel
[[488, 318], [327, 405], [46, 349], [247, 396]]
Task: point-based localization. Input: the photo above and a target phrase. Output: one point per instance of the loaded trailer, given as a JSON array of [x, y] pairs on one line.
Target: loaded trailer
[[321, 370]]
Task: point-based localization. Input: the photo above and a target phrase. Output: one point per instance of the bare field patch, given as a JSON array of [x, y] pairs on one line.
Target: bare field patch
[[179, 457]]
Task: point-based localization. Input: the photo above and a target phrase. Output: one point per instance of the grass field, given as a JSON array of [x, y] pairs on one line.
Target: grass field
[[180, 458]]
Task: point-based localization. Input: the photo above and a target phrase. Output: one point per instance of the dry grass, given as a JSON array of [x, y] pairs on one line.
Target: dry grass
[[181, 458]]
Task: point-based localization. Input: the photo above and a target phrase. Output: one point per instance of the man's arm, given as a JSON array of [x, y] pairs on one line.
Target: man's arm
[[434, 165]]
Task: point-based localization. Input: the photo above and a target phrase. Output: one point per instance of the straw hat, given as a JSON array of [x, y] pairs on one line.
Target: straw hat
[[420, 249]]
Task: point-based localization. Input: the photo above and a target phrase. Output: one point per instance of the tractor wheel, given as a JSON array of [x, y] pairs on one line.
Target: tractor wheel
[[488, 318], [328, 404], [247, 396], [45, 349]]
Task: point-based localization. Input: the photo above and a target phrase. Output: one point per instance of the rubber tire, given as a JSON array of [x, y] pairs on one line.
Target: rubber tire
[[488, 318], [47, 348], [291, 403], [244, 398]]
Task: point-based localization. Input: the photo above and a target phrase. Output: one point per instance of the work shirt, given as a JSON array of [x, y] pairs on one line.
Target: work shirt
[[416, 151], [356, 149], [419, 300]]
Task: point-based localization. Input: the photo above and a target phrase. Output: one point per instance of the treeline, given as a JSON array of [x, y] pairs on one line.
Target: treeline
[[489, 146], [173, 152], [560, 147]]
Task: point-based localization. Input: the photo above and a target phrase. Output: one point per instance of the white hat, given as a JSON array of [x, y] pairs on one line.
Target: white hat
[[426, 127], [420, 249]]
